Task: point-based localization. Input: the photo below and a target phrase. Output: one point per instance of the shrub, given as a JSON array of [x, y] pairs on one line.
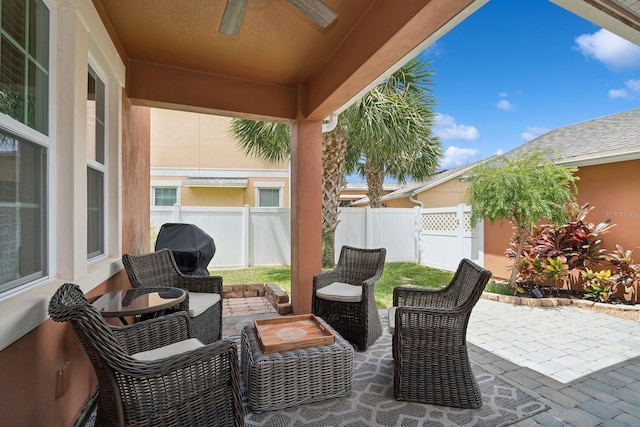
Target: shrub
[[499, 288]]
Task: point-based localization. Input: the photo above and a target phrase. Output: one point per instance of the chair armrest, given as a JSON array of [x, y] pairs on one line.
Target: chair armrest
[[153, 333], [206, 284], [421, 297], [325, 278]]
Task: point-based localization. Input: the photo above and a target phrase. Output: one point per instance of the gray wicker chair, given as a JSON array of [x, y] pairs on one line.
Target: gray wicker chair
[[429, 327], [345, 299], [153, 373], [205, 292]]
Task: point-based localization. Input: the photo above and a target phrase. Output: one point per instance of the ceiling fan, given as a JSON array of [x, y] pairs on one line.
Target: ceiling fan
[[234, 10]]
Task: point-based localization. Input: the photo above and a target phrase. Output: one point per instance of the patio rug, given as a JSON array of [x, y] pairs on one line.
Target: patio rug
[[371, 401]]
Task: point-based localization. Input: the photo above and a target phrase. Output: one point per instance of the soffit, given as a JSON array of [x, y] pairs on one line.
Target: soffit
[[281, 63]]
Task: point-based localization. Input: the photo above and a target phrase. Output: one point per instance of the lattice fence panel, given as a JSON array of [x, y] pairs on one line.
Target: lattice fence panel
[[446, 221], [467, 222]]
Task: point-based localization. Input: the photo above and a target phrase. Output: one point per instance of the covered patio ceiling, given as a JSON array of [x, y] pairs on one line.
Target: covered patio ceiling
[[281, 59]]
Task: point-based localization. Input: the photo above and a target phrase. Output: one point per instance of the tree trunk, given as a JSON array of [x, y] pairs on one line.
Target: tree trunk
[[375, 181], [516, 260], [334, 148], [328, 245]]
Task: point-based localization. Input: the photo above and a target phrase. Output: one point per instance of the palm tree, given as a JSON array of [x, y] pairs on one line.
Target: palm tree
[[271, 143], [387, 131]]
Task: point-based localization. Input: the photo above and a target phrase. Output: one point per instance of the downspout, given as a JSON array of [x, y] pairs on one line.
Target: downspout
[[332, 122], [417, 202]]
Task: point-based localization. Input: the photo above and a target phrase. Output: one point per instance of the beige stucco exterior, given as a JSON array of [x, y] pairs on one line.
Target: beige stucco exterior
[[193, 145], [447, 193]]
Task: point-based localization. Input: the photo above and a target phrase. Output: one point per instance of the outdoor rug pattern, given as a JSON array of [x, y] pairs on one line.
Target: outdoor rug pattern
[[371, 401]]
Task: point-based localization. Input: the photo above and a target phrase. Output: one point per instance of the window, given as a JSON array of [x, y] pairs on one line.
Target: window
[[165, 196], [23, 171], [24, 96], [95, 165], [269, 197], [24, 62], [269, 194]]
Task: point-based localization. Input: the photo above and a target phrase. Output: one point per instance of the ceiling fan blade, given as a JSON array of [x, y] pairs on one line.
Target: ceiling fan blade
[[232, 17], [322, 14]]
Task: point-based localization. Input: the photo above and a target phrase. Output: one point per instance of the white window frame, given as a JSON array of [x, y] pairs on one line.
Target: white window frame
[[260, 185], [165, 184], [97, 166], [47, 142]]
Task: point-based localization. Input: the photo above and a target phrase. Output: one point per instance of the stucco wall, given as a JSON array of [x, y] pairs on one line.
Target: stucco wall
[[449, 193], [29, 366], [183, 139]]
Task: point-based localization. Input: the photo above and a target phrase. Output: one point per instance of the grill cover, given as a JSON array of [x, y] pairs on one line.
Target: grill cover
[[192, 248]]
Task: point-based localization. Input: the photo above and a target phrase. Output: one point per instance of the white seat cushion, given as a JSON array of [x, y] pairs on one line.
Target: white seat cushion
[[200, 302], [392, 320], [342, 292], [169, 350]]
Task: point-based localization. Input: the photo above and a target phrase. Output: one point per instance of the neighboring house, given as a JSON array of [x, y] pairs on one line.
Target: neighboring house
[[443, 189], [355, 193], [606, 151], [209, 169]]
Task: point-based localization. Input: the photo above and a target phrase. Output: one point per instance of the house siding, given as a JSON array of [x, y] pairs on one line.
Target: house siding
[[30, 362], [185, 144]]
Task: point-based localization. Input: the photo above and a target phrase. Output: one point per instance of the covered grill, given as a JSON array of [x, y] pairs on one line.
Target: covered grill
[[192, 248]]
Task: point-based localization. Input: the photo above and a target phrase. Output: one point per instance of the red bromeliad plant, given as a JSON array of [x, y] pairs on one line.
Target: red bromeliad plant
[[561, 252], [627, 273]]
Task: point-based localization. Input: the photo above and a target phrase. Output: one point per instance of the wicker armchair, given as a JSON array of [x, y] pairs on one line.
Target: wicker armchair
[[344, 297], [429, 329], [153, 373], [205, 292]]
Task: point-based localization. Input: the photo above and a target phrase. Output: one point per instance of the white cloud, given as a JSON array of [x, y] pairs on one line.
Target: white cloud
[[619, 93], [610, 49], [445, 127], [633, 85], [503, 94], [499, 152], [532, 132], [456, 156], [505, 105]]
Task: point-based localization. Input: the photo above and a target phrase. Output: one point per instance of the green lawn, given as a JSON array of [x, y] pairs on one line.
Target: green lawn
[[395, 274]]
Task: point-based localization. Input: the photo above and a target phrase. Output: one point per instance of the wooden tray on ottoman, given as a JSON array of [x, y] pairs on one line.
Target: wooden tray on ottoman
[[292, 332]]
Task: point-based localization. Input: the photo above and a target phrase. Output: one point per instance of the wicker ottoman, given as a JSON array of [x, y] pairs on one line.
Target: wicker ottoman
[[289, 378]]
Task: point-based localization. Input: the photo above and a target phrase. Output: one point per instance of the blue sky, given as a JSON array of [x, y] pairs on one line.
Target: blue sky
[[517, 69]]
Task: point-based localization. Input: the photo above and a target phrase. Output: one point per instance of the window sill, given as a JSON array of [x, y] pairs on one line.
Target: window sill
[[27, 309]]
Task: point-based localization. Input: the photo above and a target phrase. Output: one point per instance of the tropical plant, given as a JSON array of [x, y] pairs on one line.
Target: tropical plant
[[576, 242], [627, 273], [387, 132], [523, 190], [556, 269], [390, 131], [598, 285]]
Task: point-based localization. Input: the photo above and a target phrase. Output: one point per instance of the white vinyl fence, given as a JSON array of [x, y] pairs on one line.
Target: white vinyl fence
[[262, 236]]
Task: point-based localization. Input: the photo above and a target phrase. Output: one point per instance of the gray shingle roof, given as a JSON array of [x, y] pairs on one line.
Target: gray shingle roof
[[594, 141], [603, 140]]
